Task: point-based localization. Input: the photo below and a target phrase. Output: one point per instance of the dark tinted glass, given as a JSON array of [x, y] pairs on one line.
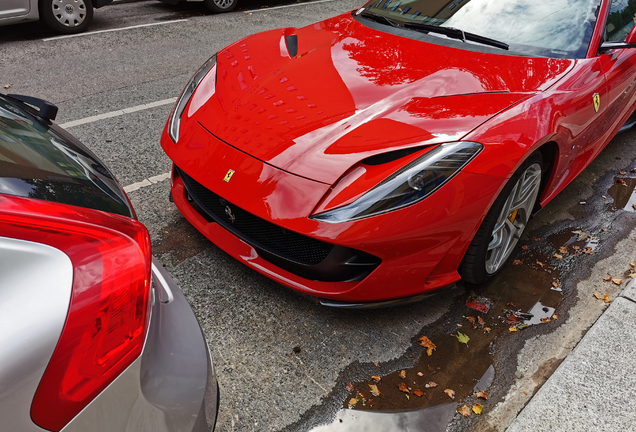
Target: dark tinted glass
[[36, 162], [550, 28], [620, 20]]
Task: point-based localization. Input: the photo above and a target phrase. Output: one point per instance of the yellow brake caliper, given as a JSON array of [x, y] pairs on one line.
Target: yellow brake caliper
[[513, 216]]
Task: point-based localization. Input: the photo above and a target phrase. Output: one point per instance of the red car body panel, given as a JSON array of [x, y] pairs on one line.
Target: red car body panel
[[296, 128]]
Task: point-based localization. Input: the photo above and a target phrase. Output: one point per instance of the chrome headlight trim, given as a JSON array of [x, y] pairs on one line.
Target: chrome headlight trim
[[174, 124], [409, 185]]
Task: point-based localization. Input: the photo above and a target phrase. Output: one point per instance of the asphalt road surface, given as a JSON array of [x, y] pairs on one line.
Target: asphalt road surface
[[283, 361]]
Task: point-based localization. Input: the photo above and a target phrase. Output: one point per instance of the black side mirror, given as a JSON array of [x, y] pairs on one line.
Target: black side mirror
[[47, 109], [605, 46]]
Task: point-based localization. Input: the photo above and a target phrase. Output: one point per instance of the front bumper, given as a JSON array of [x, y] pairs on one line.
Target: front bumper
[[172, 386], [419, 253]]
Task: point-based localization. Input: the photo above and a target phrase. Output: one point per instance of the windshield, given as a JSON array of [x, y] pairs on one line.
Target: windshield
[[35, 162], [550, 28]]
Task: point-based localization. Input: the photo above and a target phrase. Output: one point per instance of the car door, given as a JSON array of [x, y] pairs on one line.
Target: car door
[[14, 8], [619, 65]]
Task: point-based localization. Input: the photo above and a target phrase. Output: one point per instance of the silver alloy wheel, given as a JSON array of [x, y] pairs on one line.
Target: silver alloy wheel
[[513, 218], [69, 13], [223, 4]]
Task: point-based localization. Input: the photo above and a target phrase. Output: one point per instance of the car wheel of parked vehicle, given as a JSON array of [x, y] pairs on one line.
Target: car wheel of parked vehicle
[[220, 6], [67, 16], [504, 224]]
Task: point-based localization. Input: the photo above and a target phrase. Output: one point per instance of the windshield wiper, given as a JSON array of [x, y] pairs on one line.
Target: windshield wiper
[[378, 18], [456, 34]]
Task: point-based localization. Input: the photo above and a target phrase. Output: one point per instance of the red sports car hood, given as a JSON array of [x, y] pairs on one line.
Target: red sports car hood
[[351, 92]]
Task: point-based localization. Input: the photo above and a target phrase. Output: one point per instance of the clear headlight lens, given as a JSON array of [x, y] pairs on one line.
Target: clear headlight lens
[[184, 98], [409, 185]]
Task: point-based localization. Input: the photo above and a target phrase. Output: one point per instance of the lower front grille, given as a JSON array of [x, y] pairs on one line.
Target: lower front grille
[[296, 253], [274, 239]]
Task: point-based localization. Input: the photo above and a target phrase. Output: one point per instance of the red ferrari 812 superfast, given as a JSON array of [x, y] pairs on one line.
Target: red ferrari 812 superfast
[[388, 152]]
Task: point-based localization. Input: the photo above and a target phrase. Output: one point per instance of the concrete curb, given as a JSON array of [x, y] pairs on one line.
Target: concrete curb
[[594, 389]]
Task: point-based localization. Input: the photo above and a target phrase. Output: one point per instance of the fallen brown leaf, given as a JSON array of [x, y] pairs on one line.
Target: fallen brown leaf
[[352, 402], [622, 172], [403, 388], [7, 87], [376, 378], [576, 247], [555, 284], [606, 299], [604, 229], [517, 262], [478, 408], [487, 329], [563, 249], [418, 393], [513, 329], [525, 247], [374, 390], [632, 265], [482, 394], [555, 317], [481, 321], [617, 281], [597, 295], [464, 410], [557, 256], [431, 384], [377, 364], [431, 369], [546, 319], [450, 393], [536, 238], [402, 374], [607, 278], [540, 264], [428, 344], [420, 374], [349, 386]]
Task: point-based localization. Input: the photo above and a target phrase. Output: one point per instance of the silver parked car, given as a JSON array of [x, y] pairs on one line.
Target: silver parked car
[[96, 336], [61, 16]]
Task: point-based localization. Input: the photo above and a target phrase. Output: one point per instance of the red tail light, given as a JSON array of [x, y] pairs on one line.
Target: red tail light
[[108, 314]]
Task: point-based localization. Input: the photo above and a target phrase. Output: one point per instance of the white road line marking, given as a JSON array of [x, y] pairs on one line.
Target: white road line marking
[[117, 113], [115, 29], [287, 6], [147, 182]]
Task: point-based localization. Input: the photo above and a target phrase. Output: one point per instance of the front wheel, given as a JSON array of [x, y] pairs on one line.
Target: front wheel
[[504, 224], [67, 16], [220, 6]]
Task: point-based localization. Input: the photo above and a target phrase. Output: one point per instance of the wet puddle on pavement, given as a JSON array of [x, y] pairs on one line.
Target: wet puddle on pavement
[[527, 292], [622, 191]]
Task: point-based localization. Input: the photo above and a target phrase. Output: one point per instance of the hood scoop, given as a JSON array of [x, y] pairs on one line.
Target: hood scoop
[[291, 42]]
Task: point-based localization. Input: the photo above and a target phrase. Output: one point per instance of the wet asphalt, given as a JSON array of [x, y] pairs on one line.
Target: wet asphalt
[[285, 363]]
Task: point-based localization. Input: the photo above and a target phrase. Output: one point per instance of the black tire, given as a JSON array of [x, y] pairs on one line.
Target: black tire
[[473, 266], [76, 19], [220, 6]]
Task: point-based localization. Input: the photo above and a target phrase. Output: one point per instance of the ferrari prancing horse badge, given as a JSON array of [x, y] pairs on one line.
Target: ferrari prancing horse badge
[[597, 102], [230, 173]]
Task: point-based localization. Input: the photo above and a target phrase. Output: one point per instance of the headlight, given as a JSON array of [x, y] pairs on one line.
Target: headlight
[[184, 98], [409, 185]]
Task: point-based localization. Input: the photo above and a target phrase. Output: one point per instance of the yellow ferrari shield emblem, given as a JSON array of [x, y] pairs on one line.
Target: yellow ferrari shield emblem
[[228, 176], [597, 102]]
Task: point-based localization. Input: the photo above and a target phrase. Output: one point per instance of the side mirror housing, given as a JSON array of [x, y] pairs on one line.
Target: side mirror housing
[[605, 46]]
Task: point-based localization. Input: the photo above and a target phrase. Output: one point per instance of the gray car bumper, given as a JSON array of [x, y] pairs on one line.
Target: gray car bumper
[[172, 387]]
